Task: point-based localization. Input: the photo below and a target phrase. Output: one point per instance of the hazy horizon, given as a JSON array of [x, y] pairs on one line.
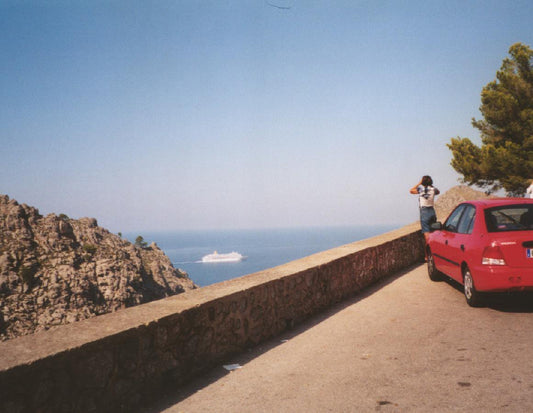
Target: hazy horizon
[[153, 116]]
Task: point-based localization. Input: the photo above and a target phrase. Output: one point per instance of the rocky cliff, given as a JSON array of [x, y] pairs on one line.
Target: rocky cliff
[[55, 270], [446, 202]]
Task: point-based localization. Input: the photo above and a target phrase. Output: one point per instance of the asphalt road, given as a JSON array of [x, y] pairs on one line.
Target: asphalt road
[[406, 345]]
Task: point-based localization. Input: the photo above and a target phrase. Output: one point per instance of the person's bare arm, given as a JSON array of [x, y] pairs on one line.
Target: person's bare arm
[[414, 189]]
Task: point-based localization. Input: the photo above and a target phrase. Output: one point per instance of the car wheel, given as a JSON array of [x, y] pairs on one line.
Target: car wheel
[[434, 274], [473, 297]]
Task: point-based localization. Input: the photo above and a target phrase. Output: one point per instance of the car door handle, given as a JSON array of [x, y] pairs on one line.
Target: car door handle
[[462, 247]]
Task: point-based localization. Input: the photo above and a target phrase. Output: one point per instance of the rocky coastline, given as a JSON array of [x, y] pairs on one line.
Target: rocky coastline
[[55, 270]]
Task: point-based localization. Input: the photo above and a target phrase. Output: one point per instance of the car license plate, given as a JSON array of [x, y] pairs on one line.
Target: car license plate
[[529, 252]]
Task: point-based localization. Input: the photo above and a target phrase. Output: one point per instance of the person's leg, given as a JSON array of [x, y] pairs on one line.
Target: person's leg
[[427, 216]]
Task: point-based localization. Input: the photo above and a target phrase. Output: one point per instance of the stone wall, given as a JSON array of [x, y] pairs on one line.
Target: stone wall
[[118, 361]]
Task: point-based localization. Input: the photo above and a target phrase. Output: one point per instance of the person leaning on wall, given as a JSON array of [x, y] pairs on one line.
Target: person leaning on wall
[[426, 202]]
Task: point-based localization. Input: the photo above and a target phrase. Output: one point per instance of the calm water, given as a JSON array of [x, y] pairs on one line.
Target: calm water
[[262, 248]]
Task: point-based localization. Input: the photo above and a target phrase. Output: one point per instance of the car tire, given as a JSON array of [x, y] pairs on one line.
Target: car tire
[[473, 297], [434, 274]]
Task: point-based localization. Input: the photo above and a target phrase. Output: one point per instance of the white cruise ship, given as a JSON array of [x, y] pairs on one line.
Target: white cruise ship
[[229, 257]]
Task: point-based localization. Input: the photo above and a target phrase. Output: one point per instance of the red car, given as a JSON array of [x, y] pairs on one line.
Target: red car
[[486, 245]]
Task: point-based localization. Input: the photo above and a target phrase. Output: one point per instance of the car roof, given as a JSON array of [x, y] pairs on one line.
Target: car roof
[[495, 202]]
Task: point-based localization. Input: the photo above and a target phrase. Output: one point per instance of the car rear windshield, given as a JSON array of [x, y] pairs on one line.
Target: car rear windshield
[[509, 218]]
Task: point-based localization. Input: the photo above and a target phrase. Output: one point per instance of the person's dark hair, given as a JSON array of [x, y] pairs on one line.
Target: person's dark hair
[[427, 181]]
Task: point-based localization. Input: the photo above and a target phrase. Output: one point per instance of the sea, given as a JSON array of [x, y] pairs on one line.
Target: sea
[[261, 248]]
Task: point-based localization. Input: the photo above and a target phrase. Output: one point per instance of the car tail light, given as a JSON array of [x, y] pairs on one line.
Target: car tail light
[[493, 255]]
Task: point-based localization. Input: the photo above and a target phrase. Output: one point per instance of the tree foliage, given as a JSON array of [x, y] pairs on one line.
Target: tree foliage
[[505, 158], [140, 242]]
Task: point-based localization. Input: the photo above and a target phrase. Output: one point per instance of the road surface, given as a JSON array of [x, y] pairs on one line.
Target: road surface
[[405, 345]]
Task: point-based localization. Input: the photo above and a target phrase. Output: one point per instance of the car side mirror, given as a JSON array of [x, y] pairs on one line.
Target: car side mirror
[[436, 226]]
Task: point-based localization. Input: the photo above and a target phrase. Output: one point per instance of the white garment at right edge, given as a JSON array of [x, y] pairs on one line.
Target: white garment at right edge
[[529, 191]]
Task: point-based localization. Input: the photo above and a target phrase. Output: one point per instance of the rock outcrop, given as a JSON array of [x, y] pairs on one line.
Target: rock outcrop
[[446, 202], [55, 270]]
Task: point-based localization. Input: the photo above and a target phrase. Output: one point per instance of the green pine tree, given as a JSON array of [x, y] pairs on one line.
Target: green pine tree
[[505, 158], [140, 242]]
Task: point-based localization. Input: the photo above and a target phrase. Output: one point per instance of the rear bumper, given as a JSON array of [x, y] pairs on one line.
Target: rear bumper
[[502, 278]]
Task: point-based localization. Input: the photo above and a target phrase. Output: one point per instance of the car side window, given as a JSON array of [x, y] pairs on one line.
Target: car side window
[[452, 222], [466, 223], [472, 221]]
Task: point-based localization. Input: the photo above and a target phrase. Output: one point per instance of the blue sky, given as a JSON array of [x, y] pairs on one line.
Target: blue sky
[[168, 115]]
